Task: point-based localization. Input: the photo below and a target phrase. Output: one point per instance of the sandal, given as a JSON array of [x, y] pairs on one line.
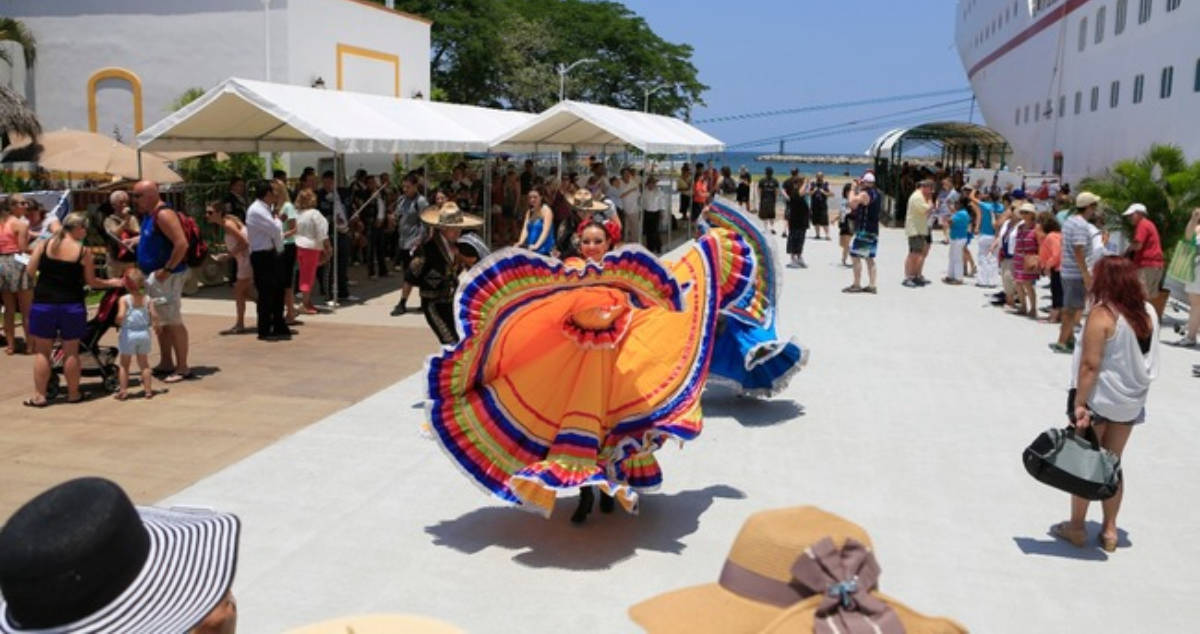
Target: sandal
[[1061, 349], [852, 289], [870, 289], [32, 403], [236, 330], [1108, 544], [121, 396], [176, 377], [83, 396], [1064, 531]]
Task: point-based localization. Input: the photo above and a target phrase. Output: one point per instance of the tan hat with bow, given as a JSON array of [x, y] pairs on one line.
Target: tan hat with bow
[[583, 200], [791, 570], [380, 624], [450, 216]]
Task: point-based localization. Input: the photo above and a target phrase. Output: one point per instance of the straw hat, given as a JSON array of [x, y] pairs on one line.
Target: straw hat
[[451, 217], [776, 576], [1027, 208], [582, 200], [380, 624]]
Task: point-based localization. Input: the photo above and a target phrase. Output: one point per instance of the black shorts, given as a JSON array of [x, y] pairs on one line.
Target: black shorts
[[844, 228], [403, 260]]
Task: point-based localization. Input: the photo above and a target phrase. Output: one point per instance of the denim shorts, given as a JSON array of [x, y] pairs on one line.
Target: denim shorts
[[50, 321]]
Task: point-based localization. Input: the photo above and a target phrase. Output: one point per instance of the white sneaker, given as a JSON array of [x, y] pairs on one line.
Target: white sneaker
[[1184, 342]]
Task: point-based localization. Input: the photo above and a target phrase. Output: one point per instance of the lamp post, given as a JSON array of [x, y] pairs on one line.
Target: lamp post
[[650, 91], [562, 75]]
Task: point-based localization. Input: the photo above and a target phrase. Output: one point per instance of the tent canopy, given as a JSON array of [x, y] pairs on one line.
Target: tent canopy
[[574, 126], [943, 134], [241, 115]]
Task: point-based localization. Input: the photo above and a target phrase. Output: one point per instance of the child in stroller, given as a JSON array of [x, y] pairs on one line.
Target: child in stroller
[[94, 359]]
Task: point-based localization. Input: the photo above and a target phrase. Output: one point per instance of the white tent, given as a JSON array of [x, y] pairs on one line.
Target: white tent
[[241, 115], [575, 126]]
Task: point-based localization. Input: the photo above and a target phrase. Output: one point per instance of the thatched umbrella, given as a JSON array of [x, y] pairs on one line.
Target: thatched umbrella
[[16, 117]]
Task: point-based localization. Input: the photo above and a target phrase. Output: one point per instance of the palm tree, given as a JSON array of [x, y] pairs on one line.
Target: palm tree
[[16, 31], [15, 116], [1162, 180]]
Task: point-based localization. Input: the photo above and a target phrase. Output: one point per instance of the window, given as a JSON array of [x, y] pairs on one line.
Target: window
[[1114, 94], [1144, 9], [1026, 114], [1164, 87], [1095, 102], [1122, 9], [1100, 24], [1172, 5], [1197, 86], [1083, 33], [1018, 116], [1078, 101], [1062, 106], [1049, 112], [1139, 84], [1037, 113]]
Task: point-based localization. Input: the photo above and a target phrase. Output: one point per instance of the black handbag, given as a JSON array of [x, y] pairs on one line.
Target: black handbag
[[1073, 463]]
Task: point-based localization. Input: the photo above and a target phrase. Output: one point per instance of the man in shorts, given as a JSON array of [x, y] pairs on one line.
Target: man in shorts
[[916, 227], [161, 248], [1076, 276], [864, 246]]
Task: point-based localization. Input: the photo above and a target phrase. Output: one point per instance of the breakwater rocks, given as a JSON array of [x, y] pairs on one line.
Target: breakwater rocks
[[828, 159]]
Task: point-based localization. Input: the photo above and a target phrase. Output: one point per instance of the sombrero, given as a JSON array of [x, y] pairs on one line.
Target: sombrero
[[796, 569], [450, 216], [582, 200], [380, 624], [81, 558]]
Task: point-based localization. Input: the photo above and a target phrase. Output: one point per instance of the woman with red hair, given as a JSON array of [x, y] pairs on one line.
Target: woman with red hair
[[1110, 379]]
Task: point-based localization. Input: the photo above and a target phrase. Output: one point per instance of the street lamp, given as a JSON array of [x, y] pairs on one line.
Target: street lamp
[[562, 75], [650, 91]]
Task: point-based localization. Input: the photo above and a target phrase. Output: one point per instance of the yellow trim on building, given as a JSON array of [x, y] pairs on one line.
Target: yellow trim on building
[[411, 16], [135, 83], [345, 49]]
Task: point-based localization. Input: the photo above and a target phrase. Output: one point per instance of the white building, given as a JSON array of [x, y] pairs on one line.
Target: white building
[[116, 66]]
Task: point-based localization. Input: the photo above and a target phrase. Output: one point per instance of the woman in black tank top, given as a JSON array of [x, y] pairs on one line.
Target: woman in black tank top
[[62, 266]]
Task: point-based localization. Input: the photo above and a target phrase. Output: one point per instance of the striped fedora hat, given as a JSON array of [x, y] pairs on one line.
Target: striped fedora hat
[[80, 558]]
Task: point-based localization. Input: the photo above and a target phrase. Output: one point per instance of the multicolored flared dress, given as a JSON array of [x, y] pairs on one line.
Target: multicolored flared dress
[[748, 354], [573, 374]]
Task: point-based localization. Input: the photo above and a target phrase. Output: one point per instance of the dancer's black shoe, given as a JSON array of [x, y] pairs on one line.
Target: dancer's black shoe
[[586, 498], [607, 503]]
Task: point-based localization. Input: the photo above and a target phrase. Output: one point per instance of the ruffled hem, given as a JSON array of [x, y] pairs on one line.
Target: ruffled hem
[[537, 486], [754, 363]]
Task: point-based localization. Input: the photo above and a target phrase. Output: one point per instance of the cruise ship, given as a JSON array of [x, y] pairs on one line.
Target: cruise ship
[[1076, 85]]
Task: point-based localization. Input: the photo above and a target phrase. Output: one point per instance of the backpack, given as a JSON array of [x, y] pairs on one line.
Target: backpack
[[197, 248]]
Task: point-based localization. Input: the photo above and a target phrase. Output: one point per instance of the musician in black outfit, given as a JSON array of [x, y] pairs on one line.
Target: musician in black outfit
[[435, 270]]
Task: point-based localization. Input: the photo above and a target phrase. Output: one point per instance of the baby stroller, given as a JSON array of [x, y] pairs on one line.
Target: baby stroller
[[94, 359]]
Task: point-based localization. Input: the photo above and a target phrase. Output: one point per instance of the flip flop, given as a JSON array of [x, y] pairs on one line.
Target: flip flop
[[1109, 545], [852, 289], [32, 403], [82, 397], [176, 378], [121, 397], [232, 331], [161, 371], [1063, 531]]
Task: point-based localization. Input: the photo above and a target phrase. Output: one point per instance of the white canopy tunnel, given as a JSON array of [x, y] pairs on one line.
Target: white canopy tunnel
[[574, 126], [241, 115]]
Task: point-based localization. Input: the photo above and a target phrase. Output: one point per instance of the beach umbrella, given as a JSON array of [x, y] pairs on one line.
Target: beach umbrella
[[16, 119], [80, 152]]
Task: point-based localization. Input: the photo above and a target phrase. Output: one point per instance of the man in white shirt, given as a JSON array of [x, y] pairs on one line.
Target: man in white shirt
[[630, 193], [654, 201], [265, 232]]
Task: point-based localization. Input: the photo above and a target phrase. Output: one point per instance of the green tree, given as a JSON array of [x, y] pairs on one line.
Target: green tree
[[503, 53], [15, 31], [1162, 180]]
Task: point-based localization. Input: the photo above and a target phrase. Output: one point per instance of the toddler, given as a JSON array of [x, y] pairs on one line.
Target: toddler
[[136, 317]]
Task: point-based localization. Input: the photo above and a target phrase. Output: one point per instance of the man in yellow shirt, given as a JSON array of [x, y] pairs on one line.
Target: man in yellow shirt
[[916, 227]]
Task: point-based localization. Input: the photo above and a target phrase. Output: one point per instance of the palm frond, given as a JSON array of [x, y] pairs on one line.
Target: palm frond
[[16, 116], [16, 31]]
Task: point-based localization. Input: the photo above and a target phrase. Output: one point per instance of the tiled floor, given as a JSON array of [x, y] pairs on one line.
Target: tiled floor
[[250, 394]]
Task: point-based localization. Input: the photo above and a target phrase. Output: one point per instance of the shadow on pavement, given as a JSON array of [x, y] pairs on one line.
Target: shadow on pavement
[[749, 412], [604, 540], [1054, 547]]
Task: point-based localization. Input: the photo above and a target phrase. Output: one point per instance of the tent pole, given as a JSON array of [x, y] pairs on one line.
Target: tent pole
[[339, 172], [487, 199]]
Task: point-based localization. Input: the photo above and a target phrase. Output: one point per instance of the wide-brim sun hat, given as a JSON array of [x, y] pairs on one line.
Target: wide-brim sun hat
[[806, 617], [775, 568], [583, 200], [380, 624], [80, 558], [451, 217]]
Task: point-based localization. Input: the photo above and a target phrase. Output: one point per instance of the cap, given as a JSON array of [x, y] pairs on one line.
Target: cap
[[1086, 199], [1135, 208], [1018, 194], [868, 178]]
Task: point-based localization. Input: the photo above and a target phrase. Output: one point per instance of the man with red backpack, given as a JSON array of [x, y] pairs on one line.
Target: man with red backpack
[[162, 254]]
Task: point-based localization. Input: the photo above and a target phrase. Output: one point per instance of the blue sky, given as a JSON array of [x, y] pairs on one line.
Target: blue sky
[[777, 54]]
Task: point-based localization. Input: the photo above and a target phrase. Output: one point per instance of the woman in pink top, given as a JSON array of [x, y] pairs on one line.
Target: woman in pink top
[[1025, 262], [15, 286], [1050, 259]]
